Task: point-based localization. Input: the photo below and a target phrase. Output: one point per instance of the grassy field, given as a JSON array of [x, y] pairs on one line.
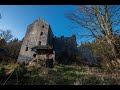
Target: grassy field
[[59, 75]]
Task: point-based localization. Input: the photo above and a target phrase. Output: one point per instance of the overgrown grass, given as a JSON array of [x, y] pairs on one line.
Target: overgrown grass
[[62, 75]]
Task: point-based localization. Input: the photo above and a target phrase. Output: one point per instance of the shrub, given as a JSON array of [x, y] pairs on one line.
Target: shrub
[[21, 70], [2, 72]]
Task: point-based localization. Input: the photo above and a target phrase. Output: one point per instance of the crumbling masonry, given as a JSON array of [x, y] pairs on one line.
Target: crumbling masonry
[[39, 38]]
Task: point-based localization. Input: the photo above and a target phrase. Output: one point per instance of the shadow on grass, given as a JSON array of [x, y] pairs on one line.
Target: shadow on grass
[[61, 75]]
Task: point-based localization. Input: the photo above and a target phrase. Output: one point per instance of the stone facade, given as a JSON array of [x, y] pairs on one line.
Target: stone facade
[[40, 33], [66, 48]]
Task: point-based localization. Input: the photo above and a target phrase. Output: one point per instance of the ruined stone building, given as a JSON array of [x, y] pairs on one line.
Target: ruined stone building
[[39, 34], [66, 49]]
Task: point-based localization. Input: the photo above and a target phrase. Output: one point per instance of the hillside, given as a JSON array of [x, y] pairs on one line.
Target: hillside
[[59, 75]]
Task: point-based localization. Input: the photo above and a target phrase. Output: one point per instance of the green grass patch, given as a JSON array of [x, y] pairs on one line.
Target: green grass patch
[[60, 75]]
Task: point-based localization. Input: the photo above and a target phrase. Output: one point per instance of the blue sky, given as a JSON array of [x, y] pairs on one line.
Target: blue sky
[[17, 17]]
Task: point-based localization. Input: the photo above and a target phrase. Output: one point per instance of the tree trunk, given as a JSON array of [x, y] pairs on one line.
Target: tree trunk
[[115, 51]]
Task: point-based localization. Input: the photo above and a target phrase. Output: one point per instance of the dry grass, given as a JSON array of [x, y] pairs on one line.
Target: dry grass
[[65, 75]]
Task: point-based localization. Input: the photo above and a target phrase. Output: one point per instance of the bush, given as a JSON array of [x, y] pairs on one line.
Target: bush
[[21, 70], [2, 72]]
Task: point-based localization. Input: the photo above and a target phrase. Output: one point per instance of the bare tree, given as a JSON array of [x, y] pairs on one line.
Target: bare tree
[[13, 48], [6, 35], [99, 21]]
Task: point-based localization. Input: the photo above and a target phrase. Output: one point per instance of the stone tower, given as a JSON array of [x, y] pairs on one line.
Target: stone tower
[[38, 33]]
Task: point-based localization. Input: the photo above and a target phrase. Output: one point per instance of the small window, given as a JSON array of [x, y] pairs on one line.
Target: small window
[[39, 42], [26, 49], [43, 26], [41, 33], [34, 55]]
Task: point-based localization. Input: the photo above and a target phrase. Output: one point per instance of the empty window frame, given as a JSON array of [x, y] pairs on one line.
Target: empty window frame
[[34, 55], [43, 26], [26, 49], [41, 33], [39, 43]]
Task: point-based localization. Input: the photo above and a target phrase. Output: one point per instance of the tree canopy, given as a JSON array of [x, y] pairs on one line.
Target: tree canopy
[[98, 21]]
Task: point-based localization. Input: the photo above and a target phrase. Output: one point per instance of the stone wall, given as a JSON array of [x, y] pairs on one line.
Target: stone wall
[[65, 48], [36, 34], [40, 33]]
